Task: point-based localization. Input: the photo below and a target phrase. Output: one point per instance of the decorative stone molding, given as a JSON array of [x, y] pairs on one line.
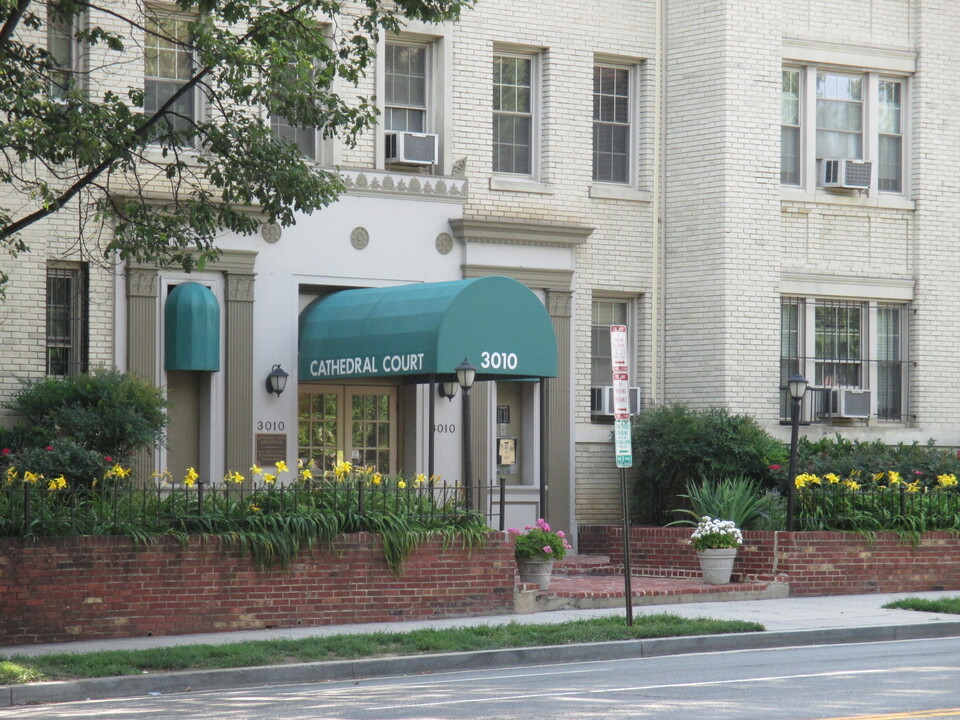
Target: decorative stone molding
[[384, 182], [141, 283], [444, 243], [359, 238], [515, 232], [239, 287], [271, 232], [559, 304]]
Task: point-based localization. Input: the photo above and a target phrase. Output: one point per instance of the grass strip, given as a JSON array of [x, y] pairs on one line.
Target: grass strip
[[67, 666], [942, 605]]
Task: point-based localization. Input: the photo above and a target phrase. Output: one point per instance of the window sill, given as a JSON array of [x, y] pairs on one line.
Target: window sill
[[610, 191], [824, 197], [526, 185]]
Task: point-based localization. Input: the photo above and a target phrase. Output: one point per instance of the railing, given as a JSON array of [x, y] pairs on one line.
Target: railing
[[39, 509], [896, 509]]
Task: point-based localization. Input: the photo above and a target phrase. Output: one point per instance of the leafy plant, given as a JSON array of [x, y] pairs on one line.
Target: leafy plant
[[106, 412], [676, 446], [539, 542], [740, 499]]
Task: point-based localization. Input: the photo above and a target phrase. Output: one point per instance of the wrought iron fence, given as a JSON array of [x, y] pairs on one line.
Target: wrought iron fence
[[41, 508], [895, 509]]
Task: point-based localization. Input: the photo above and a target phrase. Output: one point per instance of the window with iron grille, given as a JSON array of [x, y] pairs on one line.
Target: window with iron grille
[[852, 353], [66, 320]]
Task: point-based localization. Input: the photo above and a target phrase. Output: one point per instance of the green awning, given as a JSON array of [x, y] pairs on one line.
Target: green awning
[[426, 329], [191, 335]]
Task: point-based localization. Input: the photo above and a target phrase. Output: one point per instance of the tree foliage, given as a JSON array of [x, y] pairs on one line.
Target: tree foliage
[[78, 136]]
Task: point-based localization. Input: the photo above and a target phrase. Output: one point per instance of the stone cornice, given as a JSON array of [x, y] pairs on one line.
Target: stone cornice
[[520, 232], [424, 187]]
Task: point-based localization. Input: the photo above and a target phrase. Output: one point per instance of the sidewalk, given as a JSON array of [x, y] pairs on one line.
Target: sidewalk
[[788, 621]]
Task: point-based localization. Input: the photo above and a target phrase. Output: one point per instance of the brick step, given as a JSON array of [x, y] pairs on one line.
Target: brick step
[[583, 565]]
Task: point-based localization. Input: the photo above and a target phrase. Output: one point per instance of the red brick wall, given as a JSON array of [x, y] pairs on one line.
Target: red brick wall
[[57, 589], [814, 563]]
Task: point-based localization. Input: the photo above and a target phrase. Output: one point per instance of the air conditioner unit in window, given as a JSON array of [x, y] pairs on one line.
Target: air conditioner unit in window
[[601, 400], [410, 148], [850, 403], [845, 174]]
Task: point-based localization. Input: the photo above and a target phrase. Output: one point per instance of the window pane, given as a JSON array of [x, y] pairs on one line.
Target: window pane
[[611, 127], [168, 62], [839, 116], [889, 366], [512, 117]]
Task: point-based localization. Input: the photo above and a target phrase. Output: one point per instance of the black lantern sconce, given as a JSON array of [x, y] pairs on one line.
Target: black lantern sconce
[[277, 380]]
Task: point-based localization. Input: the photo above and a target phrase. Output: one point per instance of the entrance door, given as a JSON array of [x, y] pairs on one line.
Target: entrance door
[[357, 423]]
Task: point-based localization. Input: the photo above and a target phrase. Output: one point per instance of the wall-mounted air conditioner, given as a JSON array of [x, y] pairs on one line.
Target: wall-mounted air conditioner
[[850, 403], [411, 148], [601, 400], [845, 174]]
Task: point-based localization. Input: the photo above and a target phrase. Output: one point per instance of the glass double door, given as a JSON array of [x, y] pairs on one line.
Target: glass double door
[[355, 423]]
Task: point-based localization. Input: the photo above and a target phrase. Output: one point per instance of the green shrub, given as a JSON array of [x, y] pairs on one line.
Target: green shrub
[[674, 446], [844, 458], [107, 412], [66, 458]]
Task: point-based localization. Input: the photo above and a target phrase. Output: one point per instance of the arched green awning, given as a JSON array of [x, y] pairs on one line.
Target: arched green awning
[[427, 329], [191, 335]]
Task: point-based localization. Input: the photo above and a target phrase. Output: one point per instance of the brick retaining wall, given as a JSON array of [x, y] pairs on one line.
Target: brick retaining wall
[[814, 563], [60, 589]]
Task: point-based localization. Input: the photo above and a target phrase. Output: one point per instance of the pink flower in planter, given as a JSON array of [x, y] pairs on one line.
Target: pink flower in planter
[[547, 549]]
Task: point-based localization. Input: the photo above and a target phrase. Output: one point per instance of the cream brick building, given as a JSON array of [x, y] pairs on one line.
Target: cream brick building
[[655, 163]]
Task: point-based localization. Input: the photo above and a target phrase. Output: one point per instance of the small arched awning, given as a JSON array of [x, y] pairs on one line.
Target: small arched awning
[[191, 335], [427, 329]]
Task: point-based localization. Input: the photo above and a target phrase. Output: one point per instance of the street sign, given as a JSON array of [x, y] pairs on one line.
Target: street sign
[[621, 441]]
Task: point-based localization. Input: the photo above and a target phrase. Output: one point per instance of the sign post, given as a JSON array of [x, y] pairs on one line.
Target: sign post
[[622, 444]]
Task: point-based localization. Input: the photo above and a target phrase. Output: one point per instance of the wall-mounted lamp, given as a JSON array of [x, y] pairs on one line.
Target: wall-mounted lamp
[[277, 380], [448, 389]]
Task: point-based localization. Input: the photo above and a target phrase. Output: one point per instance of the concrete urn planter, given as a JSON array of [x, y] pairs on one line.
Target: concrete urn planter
[[535, 571], [717, 564]]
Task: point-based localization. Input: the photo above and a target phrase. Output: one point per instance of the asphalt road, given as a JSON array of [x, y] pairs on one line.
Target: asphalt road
[[899, 680]]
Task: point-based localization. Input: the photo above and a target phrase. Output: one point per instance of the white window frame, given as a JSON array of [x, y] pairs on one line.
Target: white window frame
[[74, 65], [869, 349], [631, 124], [535, 114], [439, 120], [628, 304], [427, 49], [153, 11]]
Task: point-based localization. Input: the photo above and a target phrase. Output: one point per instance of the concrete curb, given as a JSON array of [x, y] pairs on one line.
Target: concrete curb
[[192, 681]]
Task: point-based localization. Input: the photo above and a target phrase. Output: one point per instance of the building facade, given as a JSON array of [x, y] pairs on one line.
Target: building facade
[[753, 189]]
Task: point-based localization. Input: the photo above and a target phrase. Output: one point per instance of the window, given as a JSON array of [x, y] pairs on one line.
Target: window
[[790, 128], [305, 138], [513, 114], [891, 136], [853, 115], [844, 344], [62, 47], [405, 88], [168, 65], [66, 320], [604, 313], [611, 124]]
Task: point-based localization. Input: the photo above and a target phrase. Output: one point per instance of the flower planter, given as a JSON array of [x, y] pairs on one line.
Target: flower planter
[[717, 564], [536, 571]]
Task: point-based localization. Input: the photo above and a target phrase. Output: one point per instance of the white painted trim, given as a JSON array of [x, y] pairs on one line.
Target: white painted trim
[[826, 53], [520, 183], [610, 191], [861, 288]]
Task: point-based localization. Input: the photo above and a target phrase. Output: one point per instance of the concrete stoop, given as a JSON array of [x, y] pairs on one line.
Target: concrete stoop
[[588, 582]]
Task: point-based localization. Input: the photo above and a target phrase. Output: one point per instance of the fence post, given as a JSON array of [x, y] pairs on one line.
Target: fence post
[[199, 497], [26, 505], [503, 501]]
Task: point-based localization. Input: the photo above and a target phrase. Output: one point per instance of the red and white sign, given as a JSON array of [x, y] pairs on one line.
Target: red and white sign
[[621, 372]]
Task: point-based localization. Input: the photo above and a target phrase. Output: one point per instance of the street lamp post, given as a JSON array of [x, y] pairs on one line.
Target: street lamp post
[[797, 386], [465, 375]]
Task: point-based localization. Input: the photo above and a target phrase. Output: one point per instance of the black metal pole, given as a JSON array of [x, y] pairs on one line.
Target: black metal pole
[[467, 452], [543, 449], [627, 586], [432, 421], [792, 468]]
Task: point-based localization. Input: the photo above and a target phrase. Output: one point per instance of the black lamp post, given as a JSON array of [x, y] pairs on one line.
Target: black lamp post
[[465, 375], [797, 386]]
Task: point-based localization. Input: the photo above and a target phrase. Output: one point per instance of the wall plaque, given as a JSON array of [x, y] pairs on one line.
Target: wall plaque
[[271, 448]]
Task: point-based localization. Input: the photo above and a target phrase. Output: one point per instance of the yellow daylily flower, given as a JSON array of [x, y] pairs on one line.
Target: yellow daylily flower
[[831, 478], [59, 483], [306, 474], [32, 478], [377, 477], [344, 468], [942, 480], [234, 477], [419, 479], [255, 469], [269, 479], [191, 477], [281, 466], [401, 484], [11, 475]]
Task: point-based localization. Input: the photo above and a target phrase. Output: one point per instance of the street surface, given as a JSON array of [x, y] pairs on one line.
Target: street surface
[[902, 680]]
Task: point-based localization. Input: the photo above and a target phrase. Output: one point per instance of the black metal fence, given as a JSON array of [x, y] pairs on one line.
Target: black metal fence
[[41, 508], [896, 508]]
